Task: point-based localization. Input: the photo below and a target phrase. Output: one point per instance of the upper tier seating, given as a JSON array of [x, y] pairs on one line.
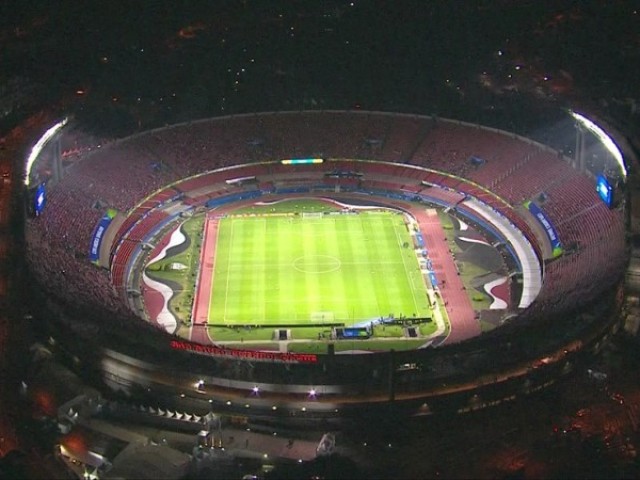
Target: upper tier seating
[[127, 175]]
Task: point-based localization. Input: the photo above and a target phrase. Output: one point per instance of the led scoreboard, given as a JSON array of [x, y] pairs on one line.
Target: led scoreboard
[[36, 200], [301, 161], [40, 199], [605, 190]]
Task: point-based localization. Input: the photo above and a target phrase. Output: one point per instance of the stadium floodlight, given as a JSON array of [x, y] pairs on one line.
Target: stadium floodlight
[[601, 135], [37, 148]]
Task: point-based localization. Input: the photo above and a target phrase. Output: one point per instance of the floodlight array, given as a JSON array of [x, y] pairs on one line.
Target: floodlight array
[[601, 135], [37, 148]]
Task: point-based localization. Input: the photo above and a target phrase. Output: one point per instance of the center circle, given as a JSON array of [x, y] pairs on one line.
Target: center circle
[[316, 264]]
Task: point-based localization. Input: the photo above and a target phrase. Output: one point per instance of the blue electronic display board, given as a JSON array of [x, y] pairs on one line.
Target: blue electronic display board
[[549, 229], [98, 234], [39, 199], [604, 190]]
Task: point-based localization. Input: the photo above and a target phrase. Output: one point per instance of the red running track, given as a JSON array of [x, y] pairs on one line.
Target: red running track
[[199, 330], [461, 315]]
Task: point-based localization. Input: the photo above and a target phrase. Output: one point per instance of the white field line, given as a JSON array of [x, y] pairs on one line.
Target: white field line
[[264, 303], [213, 270], [226, 291], [413, 293]]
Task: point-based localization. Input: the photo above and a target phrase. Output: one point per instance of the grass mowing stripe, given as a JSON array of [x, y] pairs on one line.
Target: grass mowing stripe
[[408, 272], [286, 248], [226, 290], [221, 253], [259, 281], [252, 285], [364, 275], [387, 290], [350, 245], [377, 251], [396, 289], [312, 281], [337, 282], [273, 233], [241, 281]]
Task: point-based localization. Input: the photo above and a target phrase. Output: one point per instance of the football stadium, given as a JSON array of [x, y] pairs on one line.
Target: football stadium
[[313, 266]]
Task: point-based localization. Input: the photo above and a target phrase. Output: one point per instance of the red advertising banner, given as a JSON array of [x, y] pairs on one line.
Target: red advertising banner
[[254, 355]]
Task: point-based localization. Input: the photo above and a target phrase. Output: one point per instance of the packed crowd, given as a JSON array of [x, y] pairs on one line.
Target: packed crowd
[[120, 174]]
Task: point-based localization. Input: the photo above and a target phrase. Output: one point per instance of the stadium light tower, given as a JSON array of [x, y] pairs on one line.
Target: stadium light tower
[[605, 139], [37, 148]]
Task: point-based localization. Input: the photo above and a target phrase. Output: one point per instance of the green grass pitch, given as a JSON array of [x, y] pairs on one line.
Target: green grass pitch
[[335, 268]]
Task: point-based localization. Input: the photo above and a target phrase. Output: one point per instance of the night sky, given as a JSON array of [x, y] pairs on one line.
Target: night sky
[[163, 62]]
